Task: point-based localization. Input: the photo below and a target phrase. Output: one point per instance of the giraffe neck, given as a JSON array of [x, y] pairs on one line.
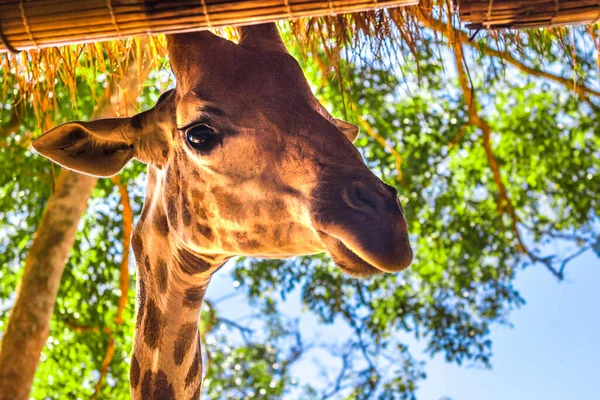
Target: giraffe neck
[[166, 361]]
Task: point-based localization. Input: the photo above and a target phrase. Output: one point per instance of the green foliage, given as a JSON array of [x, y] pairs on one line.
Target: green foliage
[[468, 249]]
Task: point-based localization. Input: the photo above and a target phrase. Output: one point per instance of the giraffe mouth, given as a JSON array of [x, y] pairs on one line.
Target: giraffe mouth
[[347, 260]]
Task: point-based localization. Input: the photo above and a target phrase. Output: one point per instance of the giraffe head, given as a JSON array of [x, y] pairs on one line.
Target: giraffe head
[[246, 160]]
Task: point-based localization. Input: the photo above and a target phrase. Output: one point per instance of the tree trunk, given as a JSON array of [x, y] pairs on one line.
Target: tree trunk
[[29, 321]]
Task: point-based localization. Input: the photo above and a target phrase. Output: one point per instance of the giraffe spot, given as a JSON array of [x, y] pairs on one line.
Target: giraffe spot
[[161, 224], [172, 180], [147, 263], [239, 235], [277, 210], [225, 244], [229, 206], [248, 245], [185, 338], [277, 236], [260, 229], [196, 394], [172, 212], [141, 302], [201, 214], [186, 215], [191, 264], [163, 390], [205, 231], [197, 196], [134, 372], [224, 234], [193, 297], [147, 385], [153, 325], [195, 372], [171, 175], [156, 386], [137, 246], [162, 275]]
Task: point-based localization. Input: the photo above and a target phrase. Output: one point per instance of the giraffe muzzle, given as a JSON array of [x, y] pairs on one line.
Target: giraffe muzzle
[[367, 232]]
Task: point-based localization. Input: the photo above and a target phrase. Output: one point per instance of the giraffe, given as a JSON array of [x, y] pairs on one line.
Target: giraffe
[[242, 160]]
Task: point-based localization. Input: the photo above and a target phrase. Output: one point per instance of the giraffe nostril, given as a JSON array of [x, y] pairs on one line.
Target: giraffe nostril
[[359, 196], [377, 197], [363, 197]]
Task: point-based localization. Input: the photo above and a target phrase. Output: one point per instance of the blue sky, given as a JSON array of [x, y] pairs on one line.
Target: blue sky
[[551, 352]]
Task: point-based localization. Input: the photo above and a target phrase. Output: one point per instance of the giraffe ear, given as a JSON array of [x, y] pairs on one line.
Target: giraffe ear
[[350, 130], [100, 148], [103, 147]]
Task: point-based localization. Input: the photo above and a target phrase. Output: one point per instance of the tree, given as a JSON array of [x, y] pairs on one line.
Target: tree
[[463, 129], [27, 328]]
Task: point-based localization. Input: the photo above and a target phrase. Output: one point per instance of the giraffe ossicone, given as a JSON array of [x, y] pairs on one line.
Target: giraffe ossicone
[[242, 160]]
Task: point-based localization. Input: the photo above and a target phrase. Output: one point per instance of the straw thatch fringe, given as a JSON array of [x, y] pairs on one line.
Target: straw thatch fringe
[[38, 24], [496, 14], [40, 79]]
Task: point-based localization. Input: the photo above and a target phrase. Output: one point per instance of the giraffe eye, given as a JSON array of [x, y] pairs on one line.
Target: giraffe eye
[[201, 138]]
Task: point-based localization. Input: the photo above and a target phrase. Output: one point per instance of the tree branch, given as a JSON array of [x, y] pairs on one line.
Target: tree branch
[[340, 378], [13, 123], [110, 352], [381, 140], [584, 92], [504, 203], [571, 257], [81, 328], [127, 214]]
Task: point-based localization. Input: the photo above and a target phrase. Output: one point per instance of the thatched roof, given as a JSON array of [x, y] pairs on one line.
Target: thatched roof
[[39, 24], [495, 14], [397, 31]]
